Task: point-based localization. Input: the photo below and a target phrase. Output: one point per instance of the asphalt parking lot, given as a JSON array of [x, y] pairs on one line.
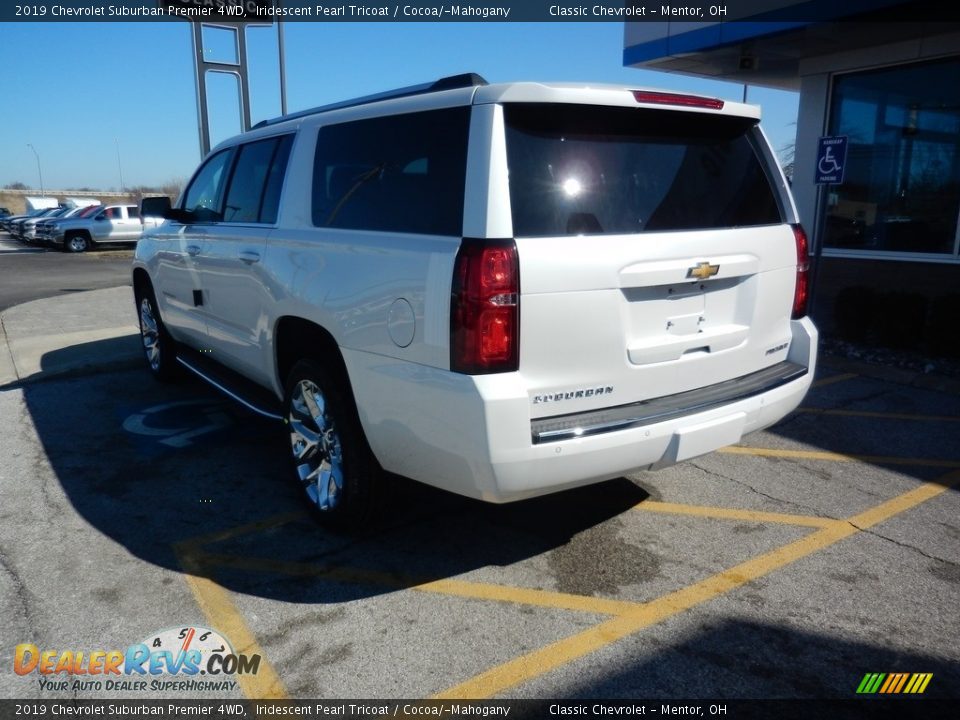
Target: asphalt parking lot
[[789, 566]]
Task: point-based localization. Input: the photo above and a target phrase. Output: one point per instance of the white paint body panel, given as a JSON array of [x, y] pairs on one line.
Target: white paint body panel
[[594, 312]]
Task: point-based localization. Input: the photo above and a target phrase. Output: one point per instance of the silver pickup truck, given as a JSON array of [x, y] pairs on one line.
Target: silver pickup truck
[[113, 224]]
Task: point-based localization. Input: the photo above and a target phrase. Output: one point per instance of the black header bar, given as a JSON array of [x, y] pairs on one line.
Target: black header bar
[[641, 11]]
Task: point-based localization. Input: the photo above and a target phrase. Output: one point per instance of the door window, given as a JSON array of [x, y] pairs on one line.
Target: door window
[[205, 194], [254, 191]]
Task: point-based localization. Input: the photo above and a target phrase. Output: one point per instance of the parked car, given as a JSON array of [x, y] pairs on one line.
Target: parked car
[[15, 226], [28, 228], [112, 224], [44, 226], [500, 290]]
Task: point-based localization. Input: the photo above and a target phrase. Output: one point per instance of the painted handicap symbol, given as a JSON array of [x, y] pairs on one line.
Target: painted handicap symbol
[[178, 422]]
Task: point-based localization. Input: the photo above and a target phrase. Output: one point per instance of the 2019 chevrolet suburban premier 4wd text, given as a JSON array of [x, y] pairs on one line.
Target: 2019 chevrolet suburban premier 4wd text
[[500, 290]]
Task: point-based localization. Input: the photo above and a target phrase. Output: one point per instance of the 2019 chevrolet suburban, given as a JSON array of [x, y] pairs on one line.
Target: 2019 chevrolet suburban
[[500, 290]]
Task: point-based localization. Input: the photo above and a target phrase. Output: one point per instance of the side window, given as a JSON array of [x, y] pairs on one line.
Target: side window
[[403, 173], [206, 191], [133, 211], [278, 169], [112, 213], [254, 189]]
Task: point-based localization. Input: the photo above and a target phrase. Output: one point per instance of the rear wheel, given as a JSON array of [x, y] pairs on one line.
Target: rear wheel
[[76, 244], [159, 348], [329, 453]]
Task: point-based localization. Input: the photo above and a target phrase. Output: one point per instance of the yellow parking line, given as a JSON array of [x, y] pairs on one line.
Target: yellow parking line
[[723, 513], [527, 667], [833, 379], [223, 615], [266, 524], [877, 414], [460, 588], [542, 598], [838, 457]]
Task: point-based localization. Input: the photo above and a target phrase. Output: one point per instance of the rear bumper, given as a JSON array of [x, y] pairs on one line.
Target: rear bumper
[[474, 435], [662, 409]]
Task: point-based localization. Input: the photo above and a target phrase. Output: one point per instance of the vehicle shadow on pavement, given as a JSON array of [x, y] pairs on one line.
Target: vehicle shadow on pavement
[[910, 431], [115, 353], [727, 658], [155, 466]]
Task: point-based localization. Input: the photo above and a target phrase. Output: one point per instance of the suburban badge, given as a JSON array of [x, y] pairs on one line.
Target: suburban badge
[[573, 394]]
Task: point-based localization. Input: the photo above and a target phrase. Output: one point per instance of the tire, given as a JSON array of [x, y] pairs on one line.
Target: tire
[[159, 349], [76, 244], [329, 455]]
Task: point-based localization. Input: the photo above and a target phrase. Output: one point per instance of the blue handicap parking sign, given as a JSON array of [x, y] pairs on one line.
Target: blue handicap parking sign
[[831, 159]]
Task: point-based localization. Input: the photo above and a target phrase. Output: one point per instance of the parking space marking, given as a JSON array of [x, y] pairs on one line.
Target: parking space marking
[[722, 513], [525, 596], [458, 588], [833, 379], [539, 662], [223, 615], [627, 618], [837, 457], [878, 414], [269, 523]]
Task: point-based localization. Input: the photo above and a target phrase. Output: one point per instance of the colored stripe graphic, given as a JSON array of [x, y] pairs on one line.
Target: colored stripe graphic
[[894, 683], [870, 683]]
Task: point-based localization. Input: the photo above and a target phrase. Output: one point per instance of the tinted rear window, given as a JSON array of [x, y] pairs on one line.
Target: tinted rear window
[[582, 170], [403, 173]]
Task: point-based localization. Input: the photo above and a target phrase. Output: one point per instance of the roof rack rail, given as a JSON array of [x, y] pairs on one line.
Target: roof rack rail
[[451, 82]]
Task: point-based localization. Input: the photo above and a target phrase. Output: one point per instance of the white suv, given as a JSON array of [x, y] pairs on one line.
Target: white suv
[[500, 290]]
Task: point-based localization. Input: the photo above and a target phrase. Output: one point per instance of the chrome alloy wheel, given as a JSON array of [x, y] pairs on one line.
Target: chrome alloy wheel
[[315, 443], [150, 333]]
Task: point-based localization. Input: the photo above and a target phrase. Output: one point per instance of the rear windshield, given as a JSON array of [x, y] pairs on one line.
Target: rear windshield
[[582, 170]]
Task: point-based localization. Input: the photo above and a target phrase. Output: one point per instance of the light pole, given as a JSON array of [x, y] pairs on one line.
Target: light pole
[[39, 171], [119, 167]]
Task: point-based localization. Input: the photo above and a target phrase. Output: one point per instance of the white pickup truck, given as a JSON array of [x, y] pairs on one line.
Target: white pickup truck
[[112, 224], [500, 290]]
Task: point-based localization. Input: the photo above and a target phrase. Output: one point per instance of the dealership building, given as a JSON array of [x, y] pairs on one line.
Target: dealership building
[[887, 235]]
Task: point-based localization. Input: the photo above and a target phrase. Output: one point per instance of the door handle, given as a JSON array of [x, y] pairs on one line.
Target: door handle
[[249, 256], [193, 250]]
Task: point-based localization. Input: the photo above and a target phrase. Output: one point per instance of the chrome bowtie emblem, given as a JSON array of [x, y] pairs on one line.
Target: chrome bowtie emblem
[[702, 271]]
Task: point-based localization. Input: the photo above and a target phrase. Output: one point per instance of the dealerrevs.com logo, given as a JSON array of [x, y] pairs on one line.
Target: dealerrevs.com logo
[[169, 660]]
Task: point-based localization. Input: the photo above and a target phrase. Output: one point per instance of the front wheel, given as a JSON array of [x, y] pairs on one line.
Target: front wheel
[[158, 347], [329, 453], [76, 244]]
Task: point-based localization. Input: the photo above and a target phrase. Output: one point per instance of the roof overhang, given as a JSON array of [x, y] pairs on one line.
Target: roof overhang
[[769, 47]]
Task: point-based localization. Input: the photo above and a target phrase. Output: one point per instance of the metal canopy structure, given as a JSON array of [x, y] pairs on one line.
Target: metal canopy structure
[[236, 65]]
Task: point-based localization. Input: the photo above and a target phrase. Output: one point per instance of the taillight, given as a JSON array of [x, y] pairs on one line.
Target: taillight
[[485, 308], [801, 293], [664, 98]]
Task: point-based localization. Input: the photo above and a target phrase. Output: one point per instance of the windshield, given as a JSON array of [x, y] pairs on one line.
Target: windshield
[[581, 169]]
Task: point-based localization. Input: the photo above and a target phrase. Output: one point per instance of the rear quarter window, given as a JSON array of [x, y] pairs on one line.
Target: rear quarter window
[[584, 170], [402, 173]]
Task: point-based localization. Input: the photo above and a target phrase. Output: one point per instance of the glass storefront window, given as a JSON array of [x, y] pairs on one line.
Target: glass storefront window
[[901, 190]]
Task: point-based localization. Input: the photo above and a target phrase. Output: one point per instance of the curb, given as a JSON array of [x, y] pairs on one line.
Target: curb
[[8, 368], [95, 331]]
